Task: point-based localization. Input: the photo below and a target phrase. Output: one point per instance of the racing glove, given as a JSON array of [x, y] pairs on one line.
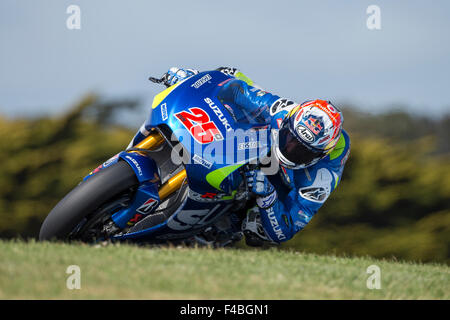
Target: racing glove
[[175, 75], [259, 185]]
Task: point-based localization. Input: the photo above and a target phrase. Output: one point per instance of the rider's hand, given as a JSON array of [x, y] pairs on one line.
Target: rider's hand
[[175, 75], [258, 183]]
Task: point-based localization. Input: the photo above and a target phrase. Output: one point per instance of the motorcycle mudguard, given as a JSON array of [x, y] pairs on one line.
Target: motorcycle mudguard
[[144, 167], [146, 198]]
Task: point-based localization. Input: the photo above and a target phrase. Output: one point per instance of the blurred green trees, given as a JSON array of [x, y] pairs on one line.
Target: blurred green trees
[[393, 201], [42, 159]]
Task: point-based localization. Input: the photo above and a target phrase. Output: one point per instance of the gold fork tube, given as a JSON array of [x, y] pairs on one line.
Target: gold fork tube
[[172, 185], [153, 141]]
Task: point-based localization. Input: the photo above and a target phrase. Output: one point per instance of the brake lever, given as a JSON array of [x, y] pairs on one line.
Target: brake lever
[[156, 80]]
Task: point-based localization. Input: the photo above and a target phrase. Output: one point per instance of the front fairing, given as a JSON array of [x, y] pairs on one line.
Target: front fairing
[[211, 166]]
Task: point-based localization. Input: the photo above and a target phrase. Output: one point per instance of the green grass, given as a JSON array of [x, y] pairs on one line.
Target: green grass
[[38, 271]]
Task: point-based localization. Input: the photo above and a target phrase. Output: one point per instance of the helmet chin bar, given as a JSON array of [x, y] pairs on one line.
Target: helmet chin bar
[[281, 159], [291, 165], [285, 162]]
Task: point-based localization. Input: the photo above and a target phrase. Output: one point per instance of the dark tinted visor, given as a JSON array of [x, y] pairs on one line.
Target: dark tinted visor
[[294, 150]]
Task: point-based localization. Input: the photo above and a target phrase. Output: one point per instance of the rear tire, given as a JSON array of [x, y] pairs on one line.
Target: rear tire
[[85, 198]]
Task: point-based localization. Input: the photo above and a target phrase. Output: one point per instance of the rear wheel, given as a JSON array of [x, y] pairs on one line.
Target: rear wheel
[[90, 204]]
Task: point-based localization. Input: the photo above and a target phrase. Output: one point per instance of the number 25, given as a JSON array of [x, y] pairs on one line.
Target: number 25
[[204, 130]]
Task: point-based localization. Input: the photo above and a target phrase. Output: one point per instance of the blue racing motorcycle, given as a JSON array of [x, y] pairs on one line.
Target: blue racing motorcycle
[[183, 180]]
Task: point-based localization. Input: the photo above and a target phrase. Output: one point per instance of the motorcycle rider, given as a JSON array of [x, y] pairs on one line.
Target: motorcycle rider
[[310, 146]]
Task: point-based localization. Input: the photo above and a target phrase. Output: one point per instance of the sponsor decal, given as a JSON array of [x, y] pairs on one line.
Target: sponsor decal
[[280, 105], [317, 194], [95, 170], [300, 224], [249, 145], [202, 129], [279, 121], [299, 115], [148, 206], [206, 197], [344, 159], [320, 189], [189, 219], [275, 225], [110, 160], [331, 111], [303, 216], [267, 201], [138, 167], [209, 195], [323, 140], [231, 111], [260, 93], [136, 218], [305, 133], [164, 115], [331, 108], [223, 82], [228, 71], [199, 160], [285, 175], [104, 164], [315, 124], [332, 114], [219, 114], [197, 84], [286, 220]]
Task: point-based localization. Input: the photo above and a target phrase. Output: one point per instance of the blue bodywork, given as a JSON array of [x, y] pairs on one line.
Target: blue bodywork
[[212, 168]]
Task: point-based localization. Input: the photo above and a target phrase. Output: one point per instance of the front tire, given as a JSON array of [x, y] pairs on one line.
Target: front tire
[[85, 198]]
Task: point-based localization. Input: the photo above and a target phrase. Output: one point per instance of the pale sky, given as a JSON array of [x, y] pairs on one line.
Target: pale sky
[[298, 49]]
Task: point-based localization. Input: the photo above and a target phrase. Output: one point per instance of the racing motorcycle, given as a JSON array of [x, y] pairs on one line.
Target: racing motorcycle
[[180, 182]]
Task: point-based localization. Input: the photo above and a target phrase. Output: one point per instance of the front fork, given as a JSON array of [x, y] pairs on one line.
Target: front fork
[[153, 141], [147, 196]]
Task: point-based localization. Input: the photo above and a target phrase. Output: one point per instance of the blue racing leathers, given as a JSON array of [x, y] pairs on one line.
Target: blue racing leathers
[[300, 193]]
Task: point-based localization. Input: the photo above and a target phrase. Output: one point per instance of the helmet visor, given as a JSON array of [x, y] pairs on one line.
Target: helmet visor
[[295, 151]]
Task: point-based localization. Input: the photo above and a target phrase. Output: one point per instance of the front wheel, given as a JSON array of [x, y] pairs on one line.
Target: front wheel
[[86, 198]]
